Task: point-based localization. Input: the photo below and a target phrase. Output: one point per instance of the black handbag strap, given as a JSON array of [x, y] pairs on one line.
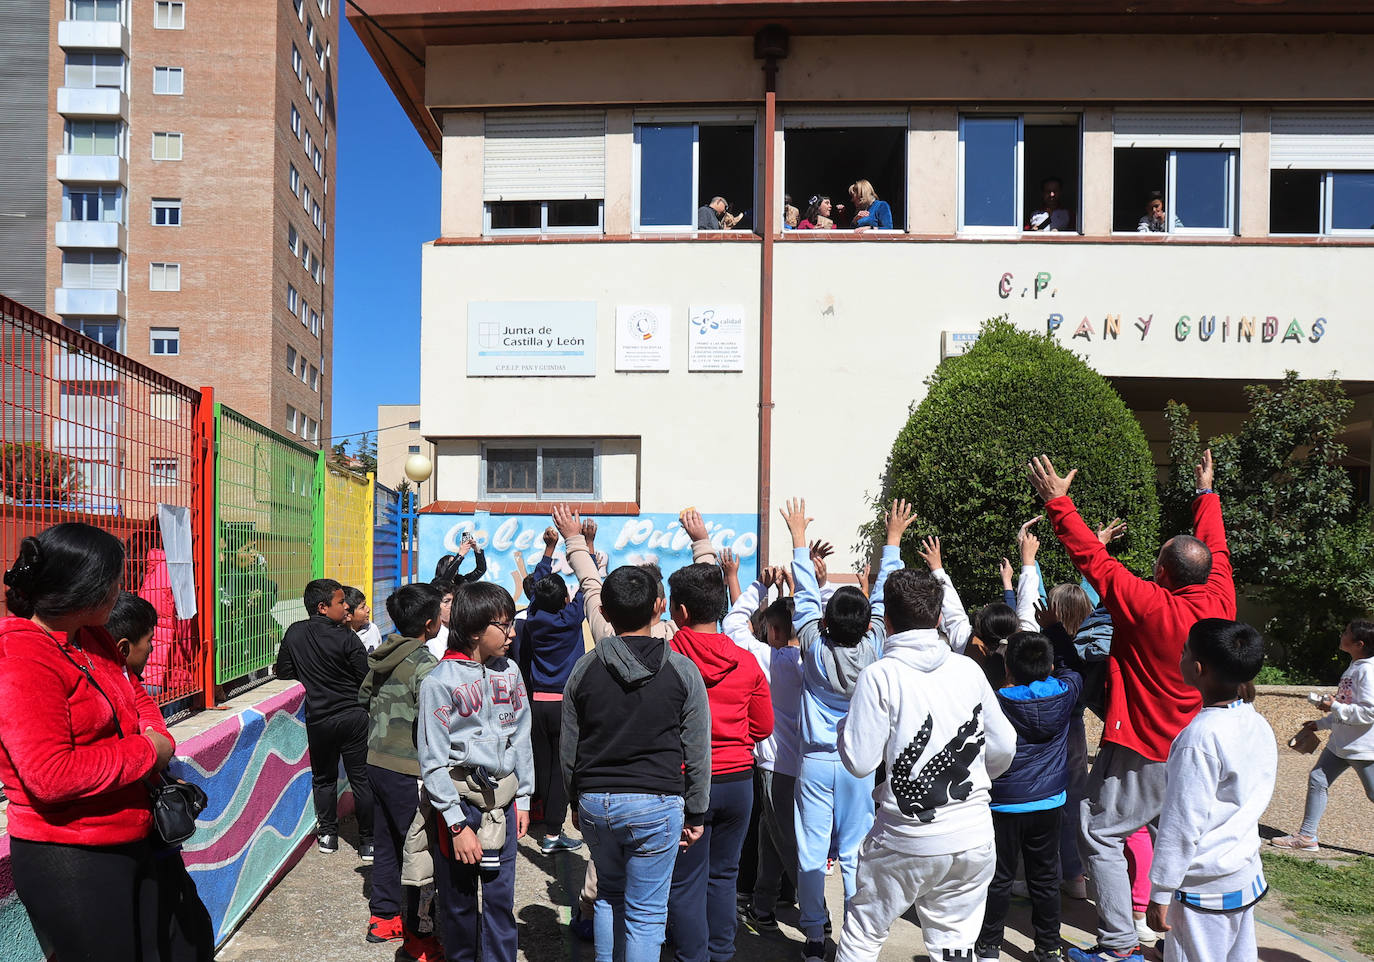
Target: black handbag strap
[[114, 712]]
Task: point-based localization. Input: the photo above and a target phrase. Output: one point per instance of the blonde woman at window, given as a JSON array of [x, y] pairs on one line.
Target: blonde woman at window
[[870, 212]]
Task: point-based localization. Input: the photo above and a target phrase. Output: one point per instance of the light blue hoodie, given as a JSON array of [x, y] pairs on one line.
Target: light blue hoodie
[[830, 671]]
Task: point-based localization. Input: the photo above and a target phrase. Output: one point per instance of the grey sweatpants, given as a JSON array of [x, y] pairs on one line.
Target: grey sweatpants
[[1125, 792], [1199, 936], [777, 837]]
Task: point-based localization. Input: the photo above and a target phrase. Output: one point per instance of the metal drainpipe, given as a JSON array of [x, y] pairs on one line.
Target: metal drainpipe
[[770, 45]]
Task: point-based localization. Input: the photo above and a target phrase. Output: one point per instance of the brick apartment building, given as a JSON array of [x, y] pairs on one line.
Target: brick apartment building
[[184, 158]]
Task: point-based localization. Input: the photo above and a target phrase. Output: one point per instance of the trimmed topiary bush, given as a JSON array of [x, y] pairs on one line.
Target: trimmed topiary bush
[[961, 459]]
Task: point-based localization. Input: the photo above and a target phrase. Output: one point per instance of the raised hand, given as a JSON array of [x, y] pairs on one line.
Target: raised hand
[[551, 539], [1004, 569], [899, 518], [784, 582], [820, 550], [930, 551], [568, 523], [864, 574], [1109, 532], [1046, 480], [729, 563], [1203, 472], [821, 572], [589, 532], [1030, 546], [794, 514], [693, 524]]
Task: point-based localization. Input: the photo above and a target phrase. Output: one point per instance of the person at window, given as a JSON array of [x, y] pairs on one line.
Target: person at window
[[818, 211], [1154, 220], [1051, 216], [869, 211], [716, 215], [791, 216], [79, 737]]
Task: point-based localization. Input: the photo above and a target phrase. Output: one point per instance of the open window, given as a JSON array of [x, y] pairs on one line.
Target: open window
[[1019, 172], [682, 165], [827, 150], [1321, 178], [1175, 172], [544, 172]]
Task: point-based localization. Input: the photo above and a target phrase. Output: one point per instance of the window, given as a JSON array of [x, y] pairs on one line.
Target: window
[[93, 138], [294, 178], [413, 426], [165, 406], [1018, 172], [164, 341], [413, 449], [104, 332], [310, 30], [296, 60], [309, 145], [1322, 172], [295, 121], [1174, 172], [291, 359], [167, 80], [530, 158], [543, 216], [315, 214], [290, 419], [302, 371], [169, 15], [300, 10], [293, 239], [538, 471], [314, 321], [93, 270], [319, 53], [307, 258], [319, 162], [166, 212], [162, 472], [164, 277], [104, 11], [681, 166], [314, 378], [93, 204], [319, 108], [309, 83], [827, 149], [89, 71], [305, 199], [166, 146], [293, 300]]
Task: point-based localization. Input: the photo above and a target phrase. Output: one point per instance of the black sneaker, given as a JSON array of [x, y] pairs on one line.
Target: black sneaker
[[756, 923], [328, 844], [365, 851], [814, 951], [828, 927]]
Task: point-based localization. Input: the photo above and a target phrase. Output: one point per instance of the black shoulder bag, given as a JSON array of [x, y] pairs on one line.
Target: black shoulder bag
[[175, 804]]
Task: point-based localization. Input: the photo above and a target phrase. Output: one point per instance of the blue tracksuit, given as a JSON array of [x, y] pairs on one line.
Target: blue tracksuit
[[828, 797]]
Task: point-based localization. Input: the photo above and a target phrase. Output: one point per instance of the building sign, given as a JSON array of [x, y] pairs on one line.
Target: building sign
[[531, 338], [715, 340], [954, 343], [624, 540], [642, 337]]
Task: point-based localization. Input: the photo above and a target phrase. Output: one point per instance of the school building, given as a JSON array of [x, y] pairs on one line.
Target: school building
[[587, 336]]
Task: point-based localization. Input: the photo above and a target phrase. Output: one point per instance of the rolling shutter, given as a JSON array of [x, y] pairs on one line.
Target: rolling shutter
[[545, 155], [1321, 140], [1176, 128], [811, 118]]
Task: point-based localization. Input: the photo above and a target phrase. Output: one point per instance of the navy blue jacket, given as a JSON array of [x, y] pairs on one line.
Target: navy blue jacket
[[549, 643], [1040, 713]]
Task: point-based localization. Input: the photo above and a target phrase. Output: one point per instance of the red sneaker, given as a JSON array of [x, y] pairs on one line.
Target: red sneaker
[[420, 948], [384, 930]]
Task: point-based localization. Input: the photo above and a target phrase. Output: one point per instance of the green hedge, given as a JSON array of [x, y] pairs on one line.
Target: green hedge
[[961, 459]]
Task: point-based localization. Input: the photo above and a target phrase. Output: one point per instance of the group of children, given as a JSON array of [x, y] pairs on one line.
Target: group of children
[[935, 757]]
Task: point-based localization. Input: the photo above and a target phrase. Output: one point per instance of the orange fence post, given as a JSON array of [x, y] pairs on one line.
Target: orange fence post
[[204, 536]]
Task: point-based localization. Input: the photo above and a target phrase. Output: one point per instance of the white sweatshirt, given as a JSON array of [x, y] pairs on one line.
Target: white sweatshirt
[[1221, 772], [1351, 719], [954, 619], [935, 721]]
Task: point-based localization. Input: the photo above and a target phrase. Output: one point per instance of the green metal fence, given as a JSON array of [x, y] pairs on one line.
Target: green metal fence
[[267, 499]]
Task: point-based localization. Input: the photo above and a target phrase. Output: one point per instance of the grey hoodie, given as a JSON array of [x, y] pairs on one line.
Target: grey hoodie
[[473, 715]]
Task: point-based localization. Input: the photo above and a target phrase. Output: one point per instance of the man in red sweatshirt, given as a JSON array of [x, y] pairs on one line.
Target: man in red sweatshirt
[[701, 905], [1148, 702]]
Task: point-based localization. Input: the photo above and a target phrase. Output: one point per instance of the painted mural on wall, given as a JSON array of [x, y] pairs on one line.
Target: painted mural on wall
[[656, 537]]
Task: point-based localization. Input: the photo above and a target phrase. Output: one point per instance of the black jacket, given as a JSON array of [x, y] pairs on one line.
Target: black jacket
[[329, 660]]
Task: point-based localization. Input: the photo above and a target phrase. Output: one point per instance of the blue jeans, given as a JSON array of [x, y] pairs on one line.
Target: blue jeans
[[633, 841], [828, 797]]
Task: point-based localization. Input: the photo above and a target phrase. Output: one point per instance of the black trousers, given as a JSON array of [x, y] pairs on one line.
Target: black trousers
[[185, 932], [87, 903], [1032, 838], [342, 735], [397, 798], [546, 726], [473, 930]]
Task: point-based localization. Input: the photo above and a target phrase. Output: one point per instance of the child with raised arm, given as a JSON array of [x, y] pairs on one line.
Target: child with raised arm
[[998, 621], [1206, 874], [1350, 720], [932, 719], [837, 643]]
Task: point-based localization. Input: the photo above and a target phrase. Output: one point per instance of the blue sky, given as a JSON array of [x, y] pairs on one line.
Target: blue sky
[[386, 207]]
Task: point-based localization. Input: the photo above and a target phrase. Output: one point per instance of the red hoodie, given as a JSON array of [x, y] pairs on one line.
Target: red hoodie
[[741, 706], [70, 778], [1148, 702]]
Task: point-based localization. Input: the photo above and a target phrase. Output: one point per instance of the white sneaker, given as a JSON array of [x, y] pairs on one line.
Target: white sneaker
[[989, 958], [1144, 934], [1075, 888], [1298, 843]]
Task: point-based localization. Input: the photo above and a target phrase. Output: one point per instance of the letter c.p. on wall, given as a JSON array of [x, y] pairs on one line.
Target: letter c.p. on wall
[[255, 770]]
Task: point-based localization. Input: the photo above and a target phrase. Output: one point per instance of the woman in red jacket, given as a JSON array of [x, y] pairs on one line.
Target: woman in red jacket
[[77, 739], [701, 905]]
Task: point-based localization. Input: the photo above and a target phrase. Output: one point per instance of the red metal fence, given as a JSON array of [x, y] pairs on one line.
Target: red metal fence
[[86, 434]]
